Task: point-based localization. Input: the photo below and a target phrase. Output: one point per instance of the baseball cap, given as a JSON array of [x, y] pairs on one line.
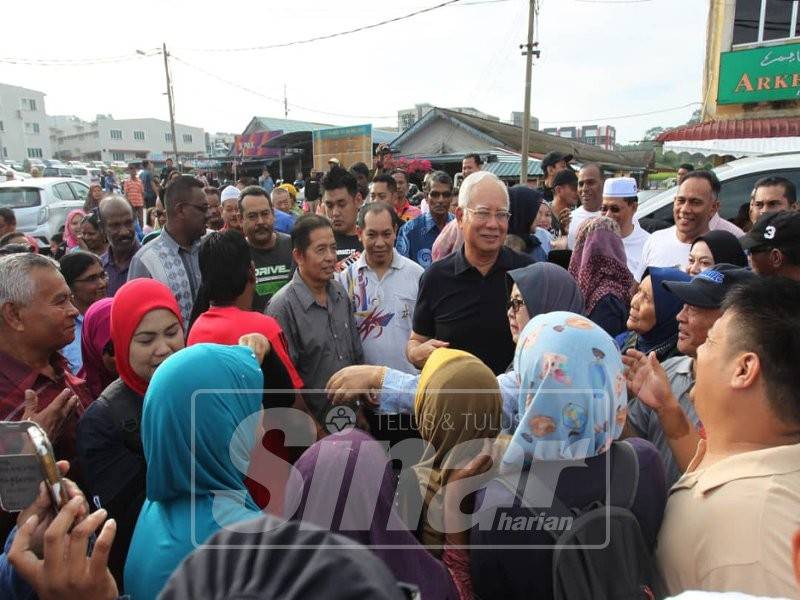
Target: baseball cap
[[775, 230], [333, 160], [565, 177], [620, 187], [708, 289], [229, 193], [552, 158]]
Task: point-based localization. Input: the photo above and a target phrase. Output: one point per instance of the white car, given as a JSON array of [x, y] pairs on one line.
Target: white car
[[82, 173], [9, 174], [41, 204], [737, 178]]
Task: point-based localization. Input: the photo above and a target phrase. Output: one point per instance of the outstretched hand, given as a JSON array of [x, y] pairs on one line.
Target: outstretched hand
[[646, 378]]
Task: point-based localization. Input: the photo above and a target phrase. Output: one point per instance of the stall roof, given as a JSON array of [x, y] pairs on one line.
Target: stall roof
[[734, 129]]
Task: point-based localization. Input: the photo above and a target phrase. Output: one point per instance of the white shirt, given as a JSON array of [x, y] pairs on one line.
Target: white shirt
[[579, 215], [634, 245], [663, 249], [718, 222], [383, 308]]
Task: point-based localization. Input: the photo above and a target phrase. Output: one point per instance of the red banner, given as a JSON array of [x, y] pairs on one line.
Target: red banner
[[251, 145]]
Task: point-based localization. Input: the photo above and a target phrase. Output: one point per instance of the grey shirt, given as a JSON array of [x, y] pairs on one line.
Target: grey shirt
[[645, 420], [321, 339], [176, 267]]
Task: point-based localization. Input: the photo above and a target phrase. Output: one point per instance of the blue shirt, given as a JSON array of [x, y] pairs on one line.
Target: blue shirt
[[283, 221], [72, 351], [415, 238]]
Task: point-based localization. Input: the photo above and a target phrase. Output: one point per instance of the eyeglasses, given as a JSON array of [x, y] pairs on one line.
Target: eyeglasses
[[102, 275], [514, 304], [435, 195], [483, 216], [613, 209]]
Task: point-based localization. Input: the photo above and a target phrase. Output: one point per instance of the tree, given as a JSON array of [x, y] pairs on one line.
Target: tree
[[653, 133]]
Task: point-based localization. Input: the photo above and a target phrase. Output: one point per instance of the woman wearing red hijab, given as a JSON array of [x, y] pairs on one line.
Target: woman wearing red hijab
[[146, 328], [98, 367]]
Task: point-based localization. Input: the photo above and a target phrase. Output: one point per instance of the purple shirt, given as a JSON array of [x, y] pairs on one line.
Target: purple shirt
[[117, 277]]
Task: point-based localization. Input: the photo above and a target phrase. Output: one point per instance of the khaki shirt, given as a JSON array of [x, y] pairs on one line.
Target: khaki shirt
[[729, 527]]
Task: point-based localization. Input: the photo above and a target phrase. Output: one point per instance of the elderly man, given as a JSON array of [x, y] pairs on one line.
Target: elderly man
[[230, 209], [117, 224], [462, 298], [667, 417], [730, 519], [37, 318], [415, 239], [620, 201], [314, 311], [172, 258], [696, 203], [215, 222]]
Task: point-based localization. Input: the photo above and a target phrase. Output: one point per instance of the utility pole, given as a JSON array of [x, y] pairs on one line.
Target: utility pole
[[285, 103], [171, 105], [526, 119]]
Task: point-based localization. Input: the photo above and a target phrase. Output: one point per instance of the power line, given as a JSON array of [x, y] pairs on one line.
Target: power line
[[78, 62], [644, 114], [330, 35], [612, 1], [270, 98]]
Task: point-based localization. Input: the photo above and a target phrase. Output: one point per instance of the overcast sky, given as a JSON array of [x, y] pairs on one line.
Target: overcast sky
[[599, 59]]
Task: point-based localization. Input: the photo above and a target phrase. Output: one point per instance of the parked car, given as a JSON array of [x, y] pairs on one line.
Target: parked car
[[737, 178], [58, 171], [6, 171], [41, 204], [119, 164], [82, 173], [98, 164], [53, 162], [17, 166]]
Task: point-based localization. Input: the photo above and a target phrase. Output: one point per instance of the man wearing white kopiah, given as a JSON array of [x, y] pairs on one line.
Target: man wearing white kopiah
[[620, 202]]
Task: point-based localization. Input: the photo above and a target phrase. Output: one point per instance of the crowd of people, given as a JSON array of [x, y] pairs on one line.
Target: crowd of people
[[257, 391]]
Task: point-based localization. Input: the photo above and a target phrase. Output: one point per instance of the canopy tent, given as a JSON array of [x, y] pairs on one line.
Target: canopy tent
[[735, 137]]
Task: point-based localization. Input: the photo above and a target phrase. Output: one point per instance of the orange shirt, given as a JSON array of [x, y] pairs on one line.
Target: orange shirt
[[134, 192], [408, 212]]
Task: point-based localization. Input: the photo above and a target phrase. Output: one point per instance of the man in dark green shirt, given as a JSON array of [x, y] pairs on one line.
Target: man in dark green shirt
[[271, 251]]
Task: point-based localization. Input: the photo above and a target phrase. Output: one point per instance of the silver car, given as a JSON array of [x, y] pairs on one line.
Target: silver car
[[41, 204]]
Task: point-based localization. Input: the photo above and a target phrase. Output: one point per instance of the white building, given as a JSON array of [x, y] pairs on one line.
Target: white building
[[518, 117], [408, 116], [24, 131], [127, 140]]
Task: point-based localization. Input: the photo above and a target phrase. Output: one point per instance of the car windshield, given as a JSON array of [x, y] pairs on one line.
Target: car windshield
[[12, 197], [79, 171]]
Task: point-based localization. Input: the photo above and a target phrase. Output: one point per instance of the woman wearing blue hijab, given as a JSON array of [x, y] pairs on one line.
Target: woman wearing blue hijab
[[652, 323], [197, 456], [573, 401]]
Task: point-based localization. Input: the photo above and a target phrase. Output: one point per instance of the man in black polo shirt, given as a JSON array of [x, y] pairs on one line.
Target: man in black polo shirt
[[462, 298]]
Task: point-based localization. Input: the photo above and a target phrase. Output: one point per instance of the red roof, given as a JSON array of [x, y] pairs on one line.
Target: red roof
[[734, 129]]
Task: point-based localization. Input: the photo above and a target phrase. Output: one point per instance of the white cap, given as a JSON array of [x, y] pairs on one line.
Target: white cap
[[334, 160], [229, 193], [620, 187]]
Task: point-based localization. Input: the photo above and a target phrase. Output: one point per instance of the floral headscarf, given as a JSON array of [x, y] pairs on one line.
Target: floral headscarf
[[572, 392]]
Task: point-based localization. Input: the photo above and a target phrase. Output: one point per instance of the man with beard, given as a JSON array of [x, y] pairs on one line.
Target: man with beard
[[215, 220], [172, 258], [230, 209], [116, 222], [415, 238], [271, 251]]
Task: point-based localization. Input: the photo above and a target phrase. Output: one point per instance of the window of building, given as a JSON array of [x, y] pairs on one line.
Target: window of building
[[28, 104], [35, 153], [138, 135], [757, 21], [187, 138], [117, 156], [168, 137], [116, 134], [32, 128]]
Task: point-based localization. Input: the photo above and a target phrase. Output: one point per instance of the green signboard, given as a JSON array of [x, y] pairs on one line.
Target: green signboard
[[760, 75]]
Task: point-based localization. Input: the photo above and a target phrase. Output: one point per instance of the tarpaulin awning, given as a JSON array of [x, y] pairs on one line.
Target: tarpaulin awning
[[735, 147]]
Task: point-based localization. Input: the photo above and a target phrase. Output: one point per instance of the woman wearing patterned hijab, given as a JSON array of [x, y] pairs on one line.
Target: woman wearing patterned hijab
[[573, 399], [600, 267]]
